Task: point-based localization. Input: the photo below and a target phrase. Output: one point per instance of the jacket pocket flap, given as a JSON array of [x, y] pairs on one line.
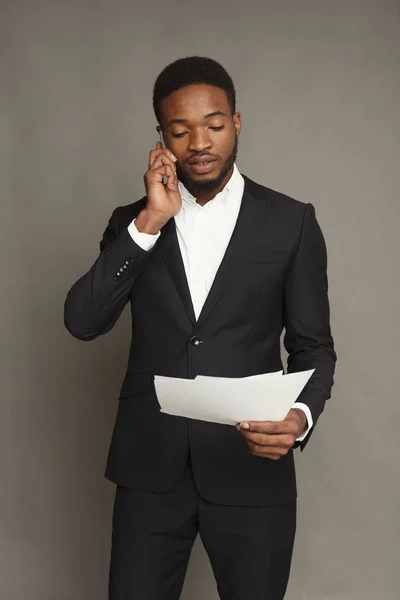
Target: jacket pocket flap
[[137, 383]]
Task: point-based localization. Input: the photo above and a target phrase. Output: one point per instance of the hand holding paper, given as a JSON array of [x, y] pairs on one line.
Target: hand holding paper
[[266, 397], [273, 439]]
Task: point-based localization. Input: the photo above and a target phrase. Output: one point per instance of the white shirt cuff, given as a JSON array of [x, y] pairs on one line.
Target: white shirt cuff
[[146, 241], [307, 412]]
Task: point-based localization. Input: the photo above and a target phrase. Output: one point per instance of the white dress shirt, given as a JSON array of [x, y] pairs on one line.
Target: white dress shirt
[[203, 235]]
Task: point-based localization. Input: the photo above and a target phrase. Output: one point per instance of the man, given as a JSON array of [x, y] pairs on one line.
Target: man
[[214, 266]]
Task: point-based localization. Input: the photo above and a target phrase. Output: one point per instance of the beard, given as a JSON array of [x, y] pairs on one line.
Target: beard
[[200, 187]]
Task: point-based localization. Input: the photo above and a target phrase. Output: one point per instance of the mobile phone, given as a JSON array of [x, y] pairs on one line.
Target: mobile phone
[[165, 179], [161, 136]]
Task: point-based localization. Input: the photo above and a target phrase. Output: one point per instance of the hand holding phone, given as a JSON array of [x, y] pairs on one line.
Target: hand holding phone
[[163, 197]]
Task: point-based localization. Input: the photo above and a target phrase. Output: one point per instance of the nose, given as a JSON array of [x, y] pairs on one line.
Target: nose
[[199, 141]]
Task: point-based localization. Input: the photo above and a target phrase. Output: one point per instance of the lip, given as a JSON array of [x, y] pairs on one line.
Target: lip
[[203, 167]]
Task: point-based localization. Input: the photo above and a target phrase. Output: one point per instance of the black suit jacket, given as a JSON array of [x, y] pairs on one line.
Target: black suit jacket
[[273, 276]]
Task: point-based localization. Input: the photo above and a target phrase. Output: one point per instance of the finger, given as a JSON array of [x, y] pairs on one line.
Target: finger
[[270, 427], [271, 456], [159, 152], [167, 155], [273, 453], [154, 154], [172, 181], [263, 450], [262, 439], [164, 158], [157, 176]]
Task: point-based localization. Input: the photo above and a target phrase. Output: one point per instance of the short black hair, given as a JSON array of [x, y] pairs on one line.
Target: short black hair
[[189, 71]]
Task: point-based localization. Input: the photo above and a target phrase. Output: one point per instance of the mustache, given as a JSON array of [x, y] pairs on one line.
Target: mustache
[[201, 155]]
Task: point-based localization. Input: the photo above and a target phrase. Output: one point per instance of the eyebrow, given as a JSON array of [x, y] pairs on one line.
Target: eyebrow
[[217, 113]]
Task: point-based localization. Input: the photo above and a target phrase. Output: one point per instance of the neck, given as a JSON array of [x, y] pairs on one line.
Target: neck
[[203, 198]]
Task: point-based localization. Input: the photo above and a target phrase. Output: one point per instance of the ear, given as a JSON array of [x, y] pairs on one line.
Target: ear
[[237, 123]]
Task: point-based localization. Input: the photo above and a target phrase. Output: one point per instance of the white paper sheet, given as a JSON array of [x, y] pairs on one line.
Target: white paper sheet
[[267, 397]]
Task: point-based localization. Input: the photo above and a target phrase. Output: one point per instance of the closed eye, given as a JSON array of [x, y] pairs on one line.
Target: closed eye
[[180, 135]]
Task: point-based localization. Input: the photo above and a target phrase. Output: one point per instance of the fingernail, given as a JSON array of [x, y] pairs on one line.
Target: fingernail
[[244, 425], [173, 157]]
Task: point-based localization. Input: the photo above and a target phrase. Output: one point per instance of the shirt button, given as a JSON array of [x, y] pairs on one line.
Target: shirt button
[[195, 341]]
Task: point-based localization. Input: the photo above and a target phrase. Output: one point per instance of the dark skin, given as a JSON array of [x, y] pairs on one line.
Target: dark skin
[[189, 131], [198, 125]]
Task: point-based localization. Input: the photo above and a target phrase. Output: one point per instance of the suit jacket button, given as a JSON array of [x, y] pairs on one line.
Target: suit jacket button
[[195, 341]]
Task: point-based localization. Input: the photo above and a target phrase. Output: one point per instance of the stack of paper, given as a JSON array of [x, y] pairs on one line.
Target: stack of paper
[[266, 397]]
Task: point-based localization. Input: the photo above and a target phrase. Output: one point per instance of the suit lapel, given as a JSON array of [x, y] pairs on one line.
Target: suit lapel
[[173, 258], [251, 218]]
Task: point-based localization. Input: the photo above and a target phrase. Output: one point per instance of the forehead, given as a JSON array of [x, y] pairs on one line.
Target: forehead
[[193, 102]]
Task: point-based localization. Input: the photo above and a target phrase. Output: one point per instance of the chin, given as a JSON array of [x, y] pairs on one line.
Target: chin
[[202, 178], [206, 182]]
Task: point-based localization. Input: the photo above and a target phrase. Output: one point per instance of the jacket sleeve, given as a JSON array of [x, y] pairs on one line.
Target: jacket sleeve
[[96, 301], [308, 339]]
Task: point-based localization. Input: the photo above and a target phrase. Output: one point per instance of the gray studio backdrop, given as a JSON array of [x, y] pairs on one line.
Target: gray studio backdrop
[[318, 88]]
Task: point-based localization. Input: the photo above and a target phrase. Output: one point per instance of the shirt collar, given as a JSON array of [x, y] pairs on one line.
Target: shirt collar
[[188, 198]]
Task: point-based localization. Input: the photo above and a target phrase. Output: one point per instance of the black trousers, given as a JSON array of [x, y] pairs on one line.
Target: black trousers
[[250, 548]]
